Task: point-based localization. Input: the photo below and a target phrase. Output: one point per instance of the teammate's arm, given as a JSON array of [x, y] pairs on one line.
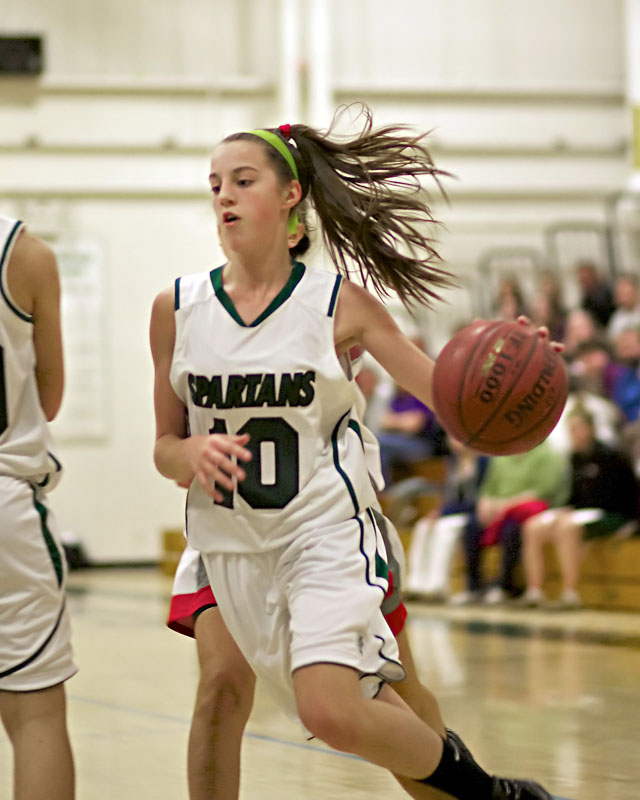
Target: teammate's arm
[[34, 284], [171, 429], [176, 454]]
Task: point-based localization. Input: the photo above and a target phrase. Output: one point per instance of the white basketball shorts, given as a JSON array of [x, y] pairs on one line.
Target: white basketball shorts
[[34, 624], [315, 600]]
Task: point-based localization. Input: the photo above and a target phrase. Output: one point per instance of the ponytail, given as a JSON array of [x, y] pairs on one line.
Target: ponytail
[[368, 196]]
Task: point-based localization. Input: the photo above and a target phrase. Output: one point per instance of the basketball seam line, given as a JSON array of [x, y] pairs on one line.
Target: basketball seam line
[[508, 394]]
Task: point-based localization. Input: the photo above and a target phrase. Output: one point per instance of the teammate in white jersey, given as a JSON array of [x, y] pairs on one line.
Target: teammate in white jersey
[[281, 505], [36, 657]]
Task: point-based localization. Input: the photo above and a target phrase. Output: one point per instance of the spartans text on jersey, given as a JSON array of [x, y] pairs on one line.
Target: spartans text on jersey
[[253, 391]]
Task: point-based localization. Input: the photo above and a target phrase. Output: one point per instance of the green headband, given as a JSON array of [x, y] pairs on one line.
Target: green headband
[[281, 147]]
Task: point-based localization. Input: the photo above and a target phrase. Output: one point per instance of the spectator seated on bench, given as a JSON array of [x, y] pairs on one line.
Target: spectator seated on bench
[[603, 501], [514, 488]]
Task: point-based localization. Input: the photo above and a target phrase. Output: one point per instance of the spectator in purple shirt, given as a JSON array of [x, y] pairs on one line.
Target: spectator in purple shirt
[[408, 433]]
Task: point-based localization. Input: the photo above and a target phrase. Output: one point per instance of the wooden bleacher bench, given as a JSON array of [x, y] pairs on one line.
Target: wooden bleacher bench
[[173, 543], [610, 574], [609, 577]]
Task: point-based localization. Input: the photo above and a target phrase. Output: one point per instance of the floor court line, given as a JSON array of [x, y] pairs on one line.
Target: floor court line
[[187, 721]]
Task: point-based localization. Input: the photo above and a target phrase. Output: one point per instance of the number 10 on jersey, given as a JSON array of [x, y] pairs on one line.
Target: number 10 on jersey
[[273, 473]]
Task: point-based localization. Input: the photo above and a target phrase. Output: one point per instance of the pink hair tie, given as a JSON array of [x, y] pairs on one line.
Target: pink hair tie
[[285, 130]]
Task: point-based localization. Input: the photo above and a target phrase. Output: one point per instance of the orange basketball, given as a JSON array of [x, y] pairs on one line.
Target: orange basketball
[[499, 387]]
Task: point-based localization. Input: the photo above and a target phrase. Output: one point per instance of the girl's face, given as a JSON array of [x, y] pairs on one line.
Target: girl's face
[[249, 201]]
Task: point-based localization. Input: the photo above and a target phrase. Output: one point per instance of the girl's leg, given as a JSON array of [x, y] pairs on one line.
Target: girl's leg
[[511, 545], [423, 703], [332, 707], [223, 704], [36, 723], [535, 532], [415, 694], [568, 542], [386, 732], [471, 536]]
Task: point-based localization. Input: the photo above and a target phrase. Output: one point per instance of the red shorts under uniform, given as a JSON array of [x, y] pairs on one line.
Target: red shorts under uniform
[[192, 593], [185, 608]]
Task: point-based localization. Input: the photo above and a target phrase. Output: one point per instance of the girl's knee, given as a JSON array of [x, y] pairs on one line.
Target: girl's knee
[[225, 690], [330, 704], [537, 529], [332, 723], [43, 708]]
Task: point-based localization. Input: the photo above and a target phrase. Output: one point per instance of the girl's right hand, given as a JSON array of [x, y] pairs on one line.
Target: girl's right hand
[[215, 460]]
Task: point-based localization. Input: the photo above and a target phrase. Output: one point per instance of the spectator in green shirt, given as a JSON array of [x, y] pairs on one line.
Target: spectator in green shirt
[[514, 488]]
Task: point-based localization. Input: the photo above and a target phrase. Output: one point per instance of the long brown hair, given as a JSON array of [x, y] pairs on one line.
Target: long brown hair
[[367, 194]]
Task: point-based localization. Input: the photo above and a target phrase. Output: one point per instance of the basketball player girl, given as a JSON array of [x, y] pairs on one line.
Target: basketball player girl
[[281, 504], [35, 657], [226, 685]]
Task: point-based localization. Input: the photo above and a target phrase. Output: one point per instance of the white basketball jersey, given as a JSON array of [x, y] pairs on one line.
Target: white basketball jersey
[[24, 436], [279, 380]]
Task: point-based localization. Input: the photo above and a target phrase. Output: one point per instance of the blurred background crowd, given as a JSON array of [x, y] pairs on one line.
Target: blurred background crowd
[[581, 484]]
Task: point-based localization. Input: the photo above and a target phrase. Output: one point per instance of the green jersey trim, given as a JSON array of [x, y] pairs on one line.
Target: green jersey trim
[[334, 296], [37, 652], [336, 461], [297, 271], [356, 427], [379, 567], [52, 547], [4, 263], [382, 567], [47, 477]]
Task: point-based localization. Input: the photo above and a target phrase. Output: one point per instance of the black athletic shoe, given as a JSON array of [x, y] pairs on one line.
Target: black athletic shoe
[[509, 789], [462, 751]]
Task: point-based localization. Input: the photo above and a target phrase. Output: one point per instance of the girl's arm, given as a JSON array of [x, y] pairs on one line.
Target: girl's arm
[[177, 455], [362, 319], [34, 284]]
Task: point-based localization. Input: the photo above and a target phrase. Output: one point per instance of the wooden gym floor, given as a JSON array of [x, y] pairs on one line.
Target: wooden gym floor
[[550, 696]]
